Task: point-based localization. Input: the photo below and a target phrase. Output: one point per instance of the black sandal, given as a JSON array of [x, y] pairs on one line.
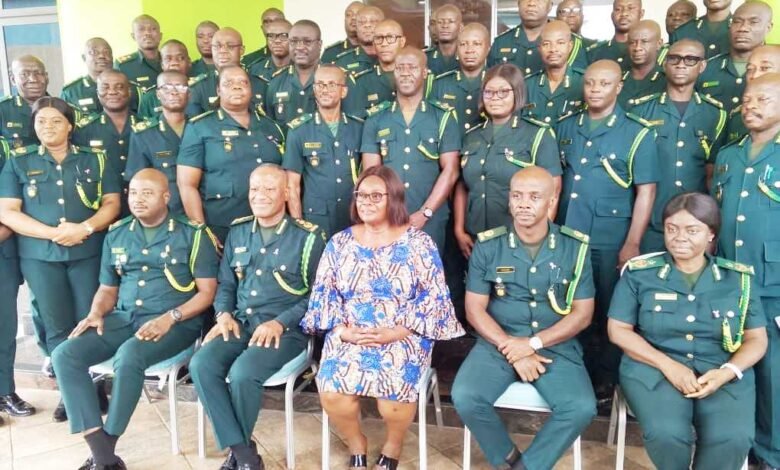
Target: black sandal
[[358, 460], [387, 462]]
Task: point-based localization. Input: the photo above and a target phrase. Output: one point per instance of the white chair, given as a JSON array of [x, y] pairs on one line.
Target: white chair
[[286, 376], [428, 387], [166, 371], [519, 396]]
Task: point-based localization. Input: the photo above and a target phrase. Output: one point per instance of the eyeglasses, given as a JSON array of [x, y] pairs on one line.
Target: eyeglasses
[[281, 37], [224, 47], [374, 198], [501, 93], [389, 39], [230, 83], [327, 86], [689, 60], [406, 68], [303, 42], [569, 11], [171, 87]]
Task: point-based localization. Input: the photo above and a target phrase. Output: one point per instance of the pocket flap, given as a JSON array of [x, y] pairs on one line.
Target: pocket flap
[[772, 252], [218, 188], [240, 259]]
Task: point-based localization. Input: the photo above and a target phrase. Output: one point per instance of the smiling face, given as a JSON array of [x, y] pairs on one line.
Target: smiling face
[[267, 192], [555, 44], [763, 60], [498, 98], [113, 90], [305, 45], [52, 127], [370, 212], [685, 236], [329, 87]]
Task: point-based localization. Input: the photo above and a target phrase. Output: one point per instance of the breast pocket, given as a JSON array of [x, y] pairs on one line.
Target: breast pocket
[[218, 188], [165, 161], [314, 158], [240, 264], [504, 280], [289, 279], [612, 218], [657, 314], [723, 308], [519, 156], [385, 142], [769, 187], [771, 264], [429, 147], [35, 187]]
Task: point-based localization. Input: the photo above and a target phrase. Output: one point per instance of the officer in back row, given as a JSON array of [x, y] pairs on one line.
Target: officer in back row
[[203, 34], [29, 77], [763, 60], [142, 66], [711, 29], [330, 53], [625, 15], [443, 56], [679, 13], [278, 36], [644, 76], [175, 58], [269, 16], [571, 12], [362, 57], [227, 46]]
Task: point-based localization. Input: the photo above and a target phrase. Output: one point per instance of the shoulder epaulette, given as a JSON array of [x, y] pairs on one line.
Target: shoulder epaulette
[[579, 70], [737, 110], [440, 105], [356, 118], [429, 49], [481, 125], [125, 58], [278, 72], [24, 150], [535, 122], [491, 234], [72, 82], [510, 30], [640, 120], [576, 234], [197, 79], [646, 98], [88, 119], [143, 125], [306, 225], [184, 220], [378, 108], [120, 223], [713, 101], [335, 44], [6, 98], [647, 261], [595, 45], [201, 116], [446, 74], [734, 266], [86, 149], [300, 120], [344, 53], [570, 113], [357, 75], [242, 220]]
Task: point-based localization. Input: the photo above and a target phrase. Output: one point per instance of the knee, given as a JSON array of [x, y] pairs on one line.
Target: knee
[[65, 356], [667, 432], [468, 399], [580, 410], [130, 358], [241, 375], [200, 366], [729, 440]]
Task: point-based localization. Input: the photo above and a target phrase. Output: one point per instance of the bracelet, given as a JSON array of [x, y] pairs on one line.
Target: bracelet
[[219, 314], [733, 368]]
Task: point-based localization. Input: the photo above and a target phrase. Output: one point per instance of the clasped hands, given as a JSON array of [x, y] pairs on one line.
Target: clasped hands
[[373, 337], [528, 364], [69, 234]]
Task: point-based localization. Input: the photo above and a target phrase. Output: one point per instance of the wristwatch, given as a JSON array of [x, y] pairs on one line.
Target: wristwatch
[[536, 343], [427, 212], [175, 314], [90, 230]]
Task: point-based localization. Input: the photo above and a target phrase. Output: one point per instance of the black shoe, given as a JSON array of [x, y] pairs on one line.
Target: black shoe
[[119, 465], [386, 462], [100, 386], [1, 421], [256, 465], [48, 368], [230, 462], [15, 406], [87, 464], [358, 461], [60, 414]]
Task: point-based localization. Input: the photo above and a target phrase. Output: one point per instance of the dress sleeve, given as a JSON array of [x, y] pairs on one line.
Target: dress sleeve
[[625, 301], [325, 310]]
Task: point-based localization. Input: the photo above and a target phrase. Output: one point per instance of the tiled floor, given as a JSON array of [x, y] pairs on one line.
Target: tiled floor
[[38, 443]]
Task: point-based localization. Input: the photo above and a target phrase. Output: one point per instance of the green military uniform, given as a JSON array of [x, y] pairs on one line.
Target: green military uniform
[[735, 129], [686, 144], [199, 67], [150, 105], [63, 279], [227, 153], [139, 69], [255, 56], [287, 98], [492, 155], [331, 52], [439, 63], [722, 81], [264, 69], [154, 144], [549, 105], [514, 47], [654, 82], [152, 277], [412, 151], [372, 87], [687, 323], [329, 165], [203, 92], [355, 60], [98, 131], [260, 279], [748, 190], [602, 166], [460, 93], [82, 95], [527, 295], [16, 122], [611, 50], [714, 36]]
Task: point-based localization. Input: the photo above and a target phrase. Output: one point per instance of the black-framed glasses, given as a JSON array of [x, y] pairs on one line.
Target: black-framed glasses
[[569, 11], [689, 60], [374, 198], [277, 37], [171, 87], [303, 42], [327, 86], [389, 39], [501, 93]]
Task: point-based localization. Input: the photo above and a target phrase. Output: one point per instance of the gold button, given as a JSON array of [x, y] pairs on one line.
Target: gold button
[[139, 302], [689, 337], [535, 324]]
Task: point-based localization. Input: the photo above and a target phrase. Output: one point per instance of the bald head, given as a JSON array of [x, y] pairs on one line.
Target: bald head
[[270, 169], [152, 176], [350, 19], [531, 198], [601, 86], [473, 46], [410, 52], [535, 174], [679, 13], [29, 76], [146, 33], [761, 106], [750, 25], [556, 27], [555, 44], [366, 21], [449, 22], [389, 26], [604, 67], [227, 47], [687, 47], [570, 11], [764, 59], [270, 15], [644, 43], [475, 28]]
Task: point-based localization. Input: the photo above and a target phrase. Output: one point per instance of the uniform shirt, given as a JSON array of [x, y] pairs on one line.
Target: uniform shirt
[[438, 63], [203, 92], [8, 250], [82, 95], [139, 69], [654, 82], [52, 193], [154, 144], [749, 195], [491, 156], [714, 36], [98, 131], [287, 98], [548, 106], [368, 89], [612, 50], [355, 60], [255, 56], [157, 275], [722, 81], [514, 47], [413, 150], [262, 280], [16, 122], [521, 288], [686, 145], [601, 168], [199, 67], [460, 93], [332, 51], [735, 129], [227, 153], [329, 166], [263, 69], [150, 105], [683, 322]]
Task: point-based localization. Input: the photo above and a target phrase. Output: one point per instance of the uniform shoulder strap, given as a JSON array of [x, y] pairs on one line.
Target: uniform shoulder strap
[[376, 109], [491, 234], [648, 261], [242, 220], [201, 116], [300, 120], [734, 266], [120, 223], [576, 234]]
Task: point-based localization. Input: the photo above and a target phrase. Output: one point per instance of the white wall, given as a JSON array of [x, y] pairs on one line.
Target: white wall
[[329, 14]]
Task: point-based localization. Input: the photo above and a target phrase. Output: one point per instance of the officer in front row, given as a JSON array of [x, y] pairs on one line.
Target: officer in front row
[[269, 262], [529, 293], [157, 274]]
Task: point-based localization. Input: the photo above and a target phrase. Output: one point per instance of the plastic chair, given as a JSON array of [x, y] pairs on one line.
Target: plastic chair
[[429, 388], [286, 376], [520, 396]]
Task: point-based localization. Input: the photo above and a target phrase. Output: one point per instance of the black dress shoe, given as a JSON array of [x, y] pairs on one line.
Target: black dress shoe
[[256, 465], [1, 421], [87, 464], [15, 406], [229, 463], [60, 414], [100, 386], [119, 465]]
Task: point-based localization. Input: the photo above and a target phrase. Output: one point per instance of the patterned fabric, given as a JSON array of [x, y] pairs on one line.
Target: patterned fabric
[[398, 284]]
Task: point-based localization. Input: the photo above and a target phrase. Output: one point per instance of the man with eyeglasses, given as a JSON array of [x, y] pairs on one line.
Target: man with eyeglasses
[[690, 128], [572, 13], [269, 16], [420, 141], [645, 77], [30, 79], [322, 156], [278, 37], [557, 89], [175, 58], [142, 66], [711, 29], [289, 94], [763, 60], [203, 35], [625, 15], [362, 57], [724, 77], [610, 170], [350, 27], [460, 89], [155, 141], [679, 13], [520, 45], [443, 57]]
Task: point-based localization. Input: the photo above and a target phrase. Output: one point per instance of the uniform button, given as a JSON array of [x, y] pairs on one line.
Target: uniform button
[[712, 47], [682, 124], [300, 110], [253, 293], [407, 150], [679, 163], [749, 170], [743, 194], [547, 119], [577, 177], [262, 251], [680, 143], [574, 195], [60, 201], [283, 268], [740, 218], [550, 104], [406, 185], [657, 308], [144, 268], [620, 59], [139, 302], [482, 177], [482, 162], [338, 180], [690, 319], [588, 143], [248, 311], [689, 356], [63, 219], [535, 324], [337, 162], [302, 92], [533, 291], [533, 269], [338, 200], [730, 314], [59, 182], [122, 157], [120, 142], [678, 184], [532, 304], [406, 166], [691, 297], [256, 145], [259, 272], [141, 283], [468, 111], [739, 243], [407, 131], [614, 211], [689, 337], [584, 160], [144, 251], [59, 167], [469, 97], [165, 165], [219, 196], [739, 81], [529, 52], [259, 160], [467, 126], [335, 144], [483, 195], [735, 99]]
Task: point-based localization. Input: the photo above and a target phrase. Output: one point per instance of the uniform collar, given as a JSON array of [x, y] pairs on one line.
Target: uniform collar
[[674, 279], [319, 121], [284, 224], [611, 122], [549, 244]]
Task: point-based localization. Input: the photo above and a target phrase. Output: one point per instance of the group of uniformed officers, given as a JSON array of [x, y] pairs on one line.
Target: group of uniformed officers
[[118, 201]]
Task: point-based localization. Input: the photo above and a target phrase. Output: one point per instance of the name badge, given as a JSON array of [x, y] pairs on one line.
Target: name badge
[[86, 101], [239, 249], [165, 153], [505, 269], [282, 94], [505, 50], [710, 84], [449, 97], [213, 99], [566, 141], [665, 296], [383, 132], [10, 124], [34, 172], [229, 133], [142, 79], [312, 145], [353, 65], [117, 250], [95, 143], [373, 97]]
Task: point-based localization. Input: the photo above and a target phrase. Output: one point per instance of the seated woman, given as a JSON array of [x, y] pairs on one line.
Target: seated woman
[[381, 298], [691, 331]]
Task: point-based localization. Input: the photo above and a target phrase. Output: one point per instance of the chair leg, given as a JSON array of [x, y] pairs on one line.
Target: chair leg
[[622, 416], [745, 465], [172, 405], [437, 400], [201, 431], [325, 440], [422, 433], [147, 394], [577, 451], [613, 419], [289, 413], [466, 448]]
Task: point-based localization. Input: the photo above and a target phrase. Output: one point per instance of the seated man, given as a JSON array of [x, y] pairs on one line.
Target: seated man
[[158, 273], [529, 292], [269, 262]]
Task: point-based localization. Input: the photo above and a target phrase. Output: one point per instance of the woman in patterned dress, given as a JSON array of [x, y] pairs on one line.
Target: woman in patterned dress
[[381, 300]]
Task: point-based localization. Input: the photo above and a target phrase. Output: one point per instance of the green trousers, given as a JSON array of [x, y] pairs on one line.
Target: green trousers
[[233, 407], [63, 291], [767, 446], [485, 375], [73, 358], [10, 278], [724, 424]]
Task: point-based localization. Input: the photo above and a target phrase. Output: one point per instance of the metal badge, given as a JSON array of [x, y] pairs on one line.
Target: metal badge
[[280, 108], [500, 287], [32, 190], [228, 145], [239, 271], [383, 148], [315, 160]]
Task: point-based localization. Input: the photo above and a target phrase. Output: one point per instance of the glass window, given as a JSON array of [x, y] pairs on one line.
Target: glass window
[[28, 3], [42, 41]]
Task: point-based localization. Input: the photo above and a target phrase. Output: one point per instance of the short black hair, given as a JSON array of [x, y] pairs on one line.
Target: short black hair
[[702, 206], [56, 103]]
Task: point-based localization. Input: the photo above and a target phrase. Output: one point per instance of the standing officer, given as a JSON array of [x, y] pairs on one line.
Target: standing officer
[[290, 93], [157, 274], [278, 36], [556, 89], [203, 34], [350, 27], [29, 77], [460, 89], [420, 141], [219, 148], [571, 12], [269, 16], [679, 13], [625, 15], [154, 143], [690, 131], [610, 171], [712, 29], [724, 77], [363, 57], [142, 66], [763, 60], [529, 293], [747, 185], [174, 58], [226, 47], [645, 76], [270, 261], [322, 156], [443, 56]]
